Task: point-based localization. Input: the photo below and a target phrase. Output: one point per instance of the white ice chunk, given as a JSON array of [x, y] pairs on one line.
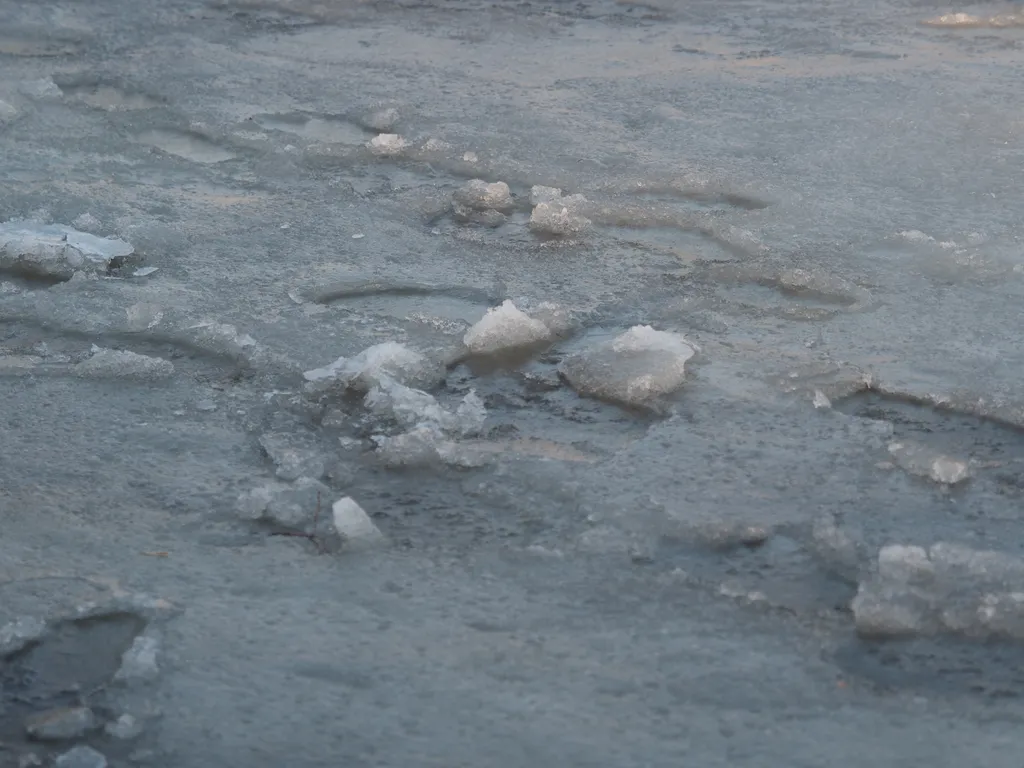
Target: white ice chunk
[[481, 196], [352, 522], [821, 400], [505, 327], [562, 217], [387, 145], [634, 368]]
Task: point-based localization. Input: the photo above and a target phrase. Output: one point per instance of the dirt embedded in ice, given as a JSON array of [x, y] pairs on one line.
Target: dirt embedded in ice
[[635, 368]]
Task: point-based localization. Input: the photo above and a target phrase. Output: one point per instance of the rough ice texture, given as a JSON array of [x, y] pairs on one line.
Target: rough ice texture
[[112, 363], [391, 359], [57, 251], [635, 368], [292, 506], [16, 634], [922, 461], [387, 145], [354, 525], [505, 327], [946, 588], [481, 196], [560, 217], [540, 194]]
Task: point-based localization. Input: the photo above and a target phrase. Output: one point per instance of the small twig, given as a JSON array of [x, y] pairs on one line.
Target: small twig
[[310, 536]]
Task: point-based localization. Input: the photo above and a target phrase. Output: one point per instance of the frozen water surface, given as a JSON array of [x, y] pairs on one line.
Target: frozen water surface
[[248, 250]]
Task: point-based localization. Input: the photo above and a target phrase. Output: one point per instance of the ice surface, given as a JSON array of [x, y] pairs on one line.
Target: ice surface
[[922, 461], [55, 250], [635, 368], [391, 359], [505, 327], [114, 363], [946, 588], [352, 522], [387, 145], [561, 217], [481, 196]]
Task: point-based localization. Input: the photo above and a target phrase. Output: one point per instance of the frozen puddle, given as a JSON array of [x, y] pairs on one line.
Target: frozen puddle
[[190, 146]]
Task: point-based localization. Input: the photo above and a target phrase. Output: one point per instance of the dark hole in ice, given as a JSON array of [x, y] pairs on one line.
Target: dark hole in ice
[[937, 666], [74, 660]]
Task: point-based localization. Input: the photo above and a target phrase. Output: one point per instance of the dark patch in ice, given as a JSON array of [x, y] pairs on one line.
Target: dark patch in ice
[[352, 289], [945, 429], [937, 666]]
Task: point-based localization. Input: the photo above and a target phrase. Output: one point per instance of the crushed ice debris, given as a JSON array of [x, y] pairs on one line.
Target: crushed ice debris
[[821, 400], [358, 236], [112, 363], [635, 368], [945, 588], [57, 251], [922, 461], [354, 525], [144, 271], [412, 407], [363, 371], [470, 157], [505, 327], [561, 216], [387, 145]]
